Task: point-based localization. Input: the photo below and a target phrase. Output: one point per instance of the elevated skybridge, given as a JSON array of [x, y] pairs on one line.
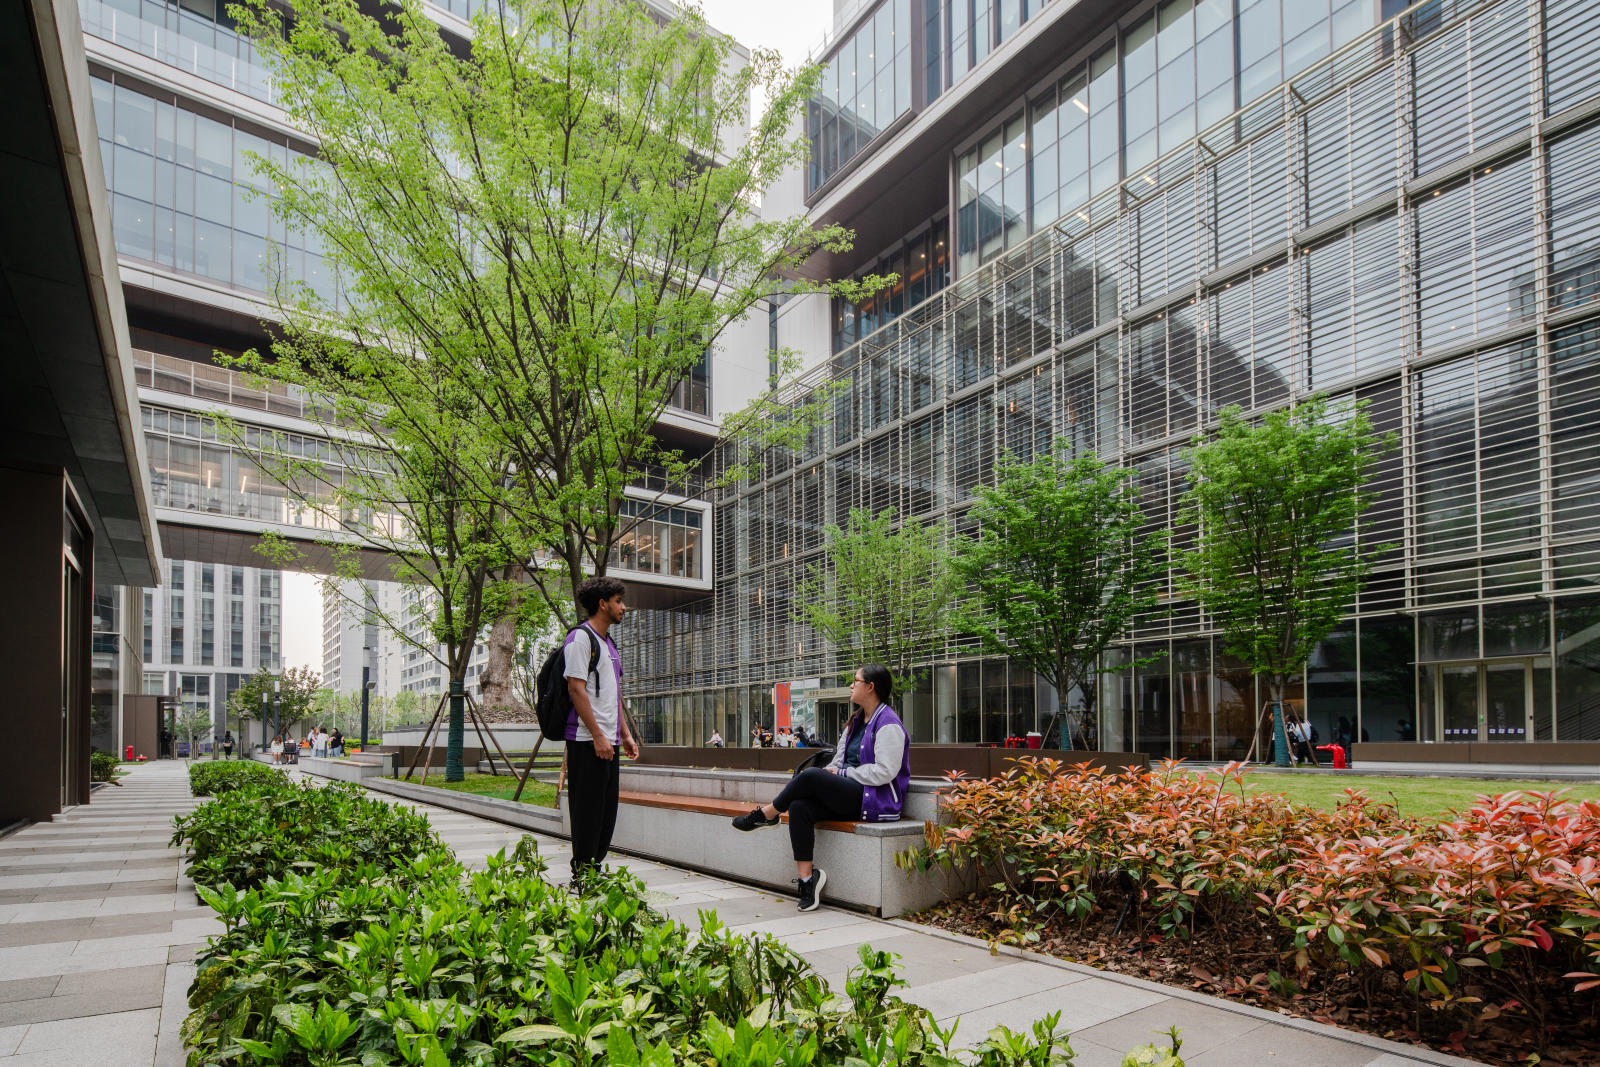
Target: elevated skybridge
[[213, 503]]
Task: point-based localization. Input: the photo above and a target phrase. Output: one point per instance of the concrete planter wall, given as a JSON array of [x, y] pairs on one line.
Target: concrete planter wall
[[860, 865]]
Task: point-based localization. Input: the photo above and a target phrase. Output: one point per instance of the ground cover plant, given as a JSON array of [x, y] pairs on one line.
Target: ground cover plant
[[390, 958], [257, 831], [1479, 934], [102, 767], [215, 777]]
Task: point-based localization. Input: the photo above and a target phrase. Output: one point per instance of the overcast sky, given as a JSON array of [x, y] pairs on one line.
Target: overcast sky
[[794, 28]]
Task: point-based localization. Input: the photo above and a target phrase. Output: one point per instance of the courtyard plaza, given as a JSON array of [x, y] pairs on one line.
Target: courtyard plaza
[[99, 930]]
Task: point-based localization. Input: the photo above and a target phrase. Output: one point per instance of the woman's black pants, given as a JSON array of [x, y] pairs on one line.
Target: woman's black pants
[[811, 796]]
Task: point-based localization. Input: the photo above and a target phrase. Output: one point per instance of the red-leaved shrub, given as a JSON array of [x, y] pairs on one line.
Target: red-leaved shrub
[[1509, 892]]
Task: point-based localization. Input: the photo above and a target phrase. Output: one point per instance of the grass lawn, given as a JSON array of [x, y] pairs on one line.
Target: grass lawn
[[490, 785], [1413, 796]]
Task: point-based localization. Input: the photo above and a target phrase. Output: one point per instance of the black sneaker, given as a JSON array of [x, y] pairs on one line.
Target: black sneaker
[[811, 889], [752, 819]]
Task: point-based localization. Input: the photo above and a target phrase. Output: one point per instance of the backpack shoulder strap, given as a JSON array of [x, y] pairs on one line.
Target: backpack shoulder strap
[[594, 652]]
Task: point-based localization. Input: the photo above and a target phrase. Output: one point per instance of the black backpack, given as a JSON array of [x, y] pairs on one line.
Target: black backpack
[[555, 702]]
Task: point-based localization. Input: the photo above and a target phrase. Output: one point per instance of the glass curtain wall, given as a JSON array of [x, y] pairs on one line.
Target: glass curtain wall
[[1267, 266], [185, 194]]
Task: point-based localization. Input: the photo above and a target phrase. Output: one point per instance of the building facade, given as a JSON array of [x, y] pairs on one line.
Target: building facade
[[349, 634], [1157, 210], [206, 630]]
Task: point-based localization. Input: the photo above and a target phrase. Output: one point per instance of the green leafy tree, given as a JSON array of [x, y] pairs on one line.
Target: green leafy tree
[[538, 236], [1058, 568], [296, 696], [882, 595], [405, 706], [1278, 559], [191, 723]]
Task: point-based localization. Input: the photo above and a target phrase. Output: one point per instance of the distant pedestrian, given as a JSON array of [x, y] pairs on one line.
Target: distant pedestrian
[[336, 743], [277, 748], [1300, 739], [866, 781], [227, 744], [716, 739]]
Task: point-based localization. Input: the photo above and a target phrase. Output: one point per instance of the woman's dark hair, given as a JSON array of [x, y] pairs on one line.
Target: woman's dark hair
[[882, 682], [594, 590]]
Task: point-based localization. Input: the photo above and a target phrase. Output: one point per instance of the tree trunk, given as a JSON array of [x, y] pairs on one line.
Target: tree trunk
[[500, 702]]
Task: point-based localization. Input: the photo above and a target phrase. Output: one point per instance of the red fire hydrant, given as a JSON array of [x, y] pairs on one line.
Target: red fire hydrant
[[1338, 755], [128, 755]]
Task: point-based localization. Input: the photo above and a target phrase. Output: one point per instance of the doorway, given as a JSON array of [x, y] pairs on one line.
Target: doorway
[[831, 716], [1482, 700]]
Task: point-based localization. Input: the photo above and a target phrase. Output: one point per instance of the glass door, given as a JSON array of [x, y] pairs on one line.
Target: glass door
[[1483, 701], [1505, 693], [1458, 701]]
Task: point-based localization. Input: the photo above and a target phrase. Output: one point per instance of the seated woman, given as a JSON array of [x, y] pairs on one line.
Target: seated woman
[[867, 780]]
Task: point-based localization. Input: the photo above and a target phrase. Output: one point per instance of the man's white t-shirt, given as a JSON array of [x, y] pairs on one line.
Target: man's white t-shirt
[[604, 685]]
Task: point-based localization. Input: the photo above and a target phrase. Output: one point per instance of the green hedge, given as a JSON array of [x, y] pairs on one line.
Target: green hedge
[[211, 778], [255, 831], [102, 766], [400, 955]]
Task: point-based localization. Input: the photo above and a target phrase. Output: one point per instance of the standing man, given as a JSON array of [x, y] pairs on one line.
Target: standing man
[[596, 726]]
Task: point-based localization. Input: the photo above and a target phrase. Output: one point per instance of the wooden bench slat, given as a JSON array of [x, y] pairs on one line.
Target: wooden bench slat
[[713, 806]]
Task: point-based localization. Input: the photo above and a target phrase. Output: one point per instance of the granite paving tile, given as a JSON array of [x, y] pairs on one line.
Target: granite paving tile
[[27, 988], [1204, 1027], [91, 994], [1265, 1045], [117, 1038]]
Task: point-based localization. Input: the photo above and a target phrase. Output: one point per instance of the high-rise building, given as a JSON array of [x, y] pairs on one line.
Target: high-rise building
[[1108, 221], [350, 630], [207, 629]]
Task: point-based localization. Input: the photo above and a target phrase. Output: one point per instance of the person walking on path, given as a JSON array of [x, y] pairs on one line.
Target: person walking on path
[[595, 725], [867, 780], [227, 744]]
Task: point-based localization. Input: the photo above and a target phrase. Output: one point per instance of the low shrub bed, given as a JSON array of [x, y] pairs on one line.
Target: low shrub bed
[[102, 767], [1479, 935], [214, 777], [405, 957], [255, 831]]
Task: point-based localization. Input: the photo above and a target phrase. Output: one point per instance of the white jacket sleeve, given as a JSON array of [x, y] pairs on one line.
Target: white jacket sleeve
[[888, 749]]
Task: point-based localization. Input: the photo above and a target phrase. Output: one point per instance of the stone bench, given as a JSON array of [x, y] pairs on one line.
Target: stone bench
[[350, 768], [684, 818]]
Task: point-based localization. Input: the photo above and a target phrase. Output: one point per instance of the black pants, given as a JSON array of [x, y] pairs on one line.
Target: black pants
[[812, 796], [592, 785]]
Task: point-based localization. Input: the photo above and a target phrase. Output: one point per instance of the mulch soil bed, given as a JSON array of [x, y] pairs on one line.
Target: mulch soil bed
[[1241, 963]]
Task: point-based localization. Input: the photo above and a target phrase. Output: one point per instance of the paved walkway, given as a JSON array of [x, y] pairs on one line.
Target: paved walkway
[[98, 929]]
